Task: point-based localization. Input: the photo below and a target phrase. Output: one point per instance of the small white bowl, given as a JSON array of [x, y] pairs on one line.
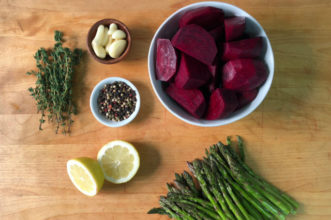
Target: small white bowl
[[94, 105], [169, 27]]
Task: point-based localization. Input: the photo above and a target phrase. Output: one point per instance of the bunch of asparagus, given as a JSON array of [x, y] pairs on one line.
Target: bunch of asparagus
[[225, 188]]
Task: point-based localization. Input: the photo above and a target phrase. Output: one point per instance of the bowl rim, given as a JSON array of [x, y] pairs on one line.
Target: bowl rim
[[108, 21], [233, 118], [94, 96]]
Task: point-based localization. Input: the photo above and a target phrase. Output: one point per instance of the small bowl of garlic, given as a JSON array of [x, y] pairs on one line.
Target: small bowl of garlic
[[108, 41]]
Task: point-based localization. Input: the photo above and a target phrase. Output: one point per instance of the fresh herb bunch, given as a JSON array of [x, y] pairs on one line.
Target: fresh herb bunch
[[53, 91]]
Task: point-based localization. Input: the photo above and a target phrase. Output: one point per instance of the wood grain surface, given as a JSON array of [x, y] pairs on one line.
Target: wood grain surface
[[288, 136]]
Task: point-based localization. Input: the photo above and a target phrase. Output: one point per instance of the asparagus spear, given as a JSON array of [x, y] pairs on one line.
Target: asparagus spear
[[189, 181], [159, 211], [252, 211], [196, 167], [200, 201], [190, 209], [249, 187], [271, 192], [221, 171], [173, 206], [258, 179], [206, 211], [184, 189], [169, 211], [217, 193], [236, 201], [241, 148]]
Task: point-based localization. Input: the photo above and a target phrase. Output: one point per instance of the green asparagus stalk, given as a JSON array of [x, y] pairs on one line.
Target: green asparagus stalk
[[169, 211], [271, 207], [191, 210], [270, 194], [217, 193], [197, 200], [176, 208], [206, 211], [159, 211], [241, 148], [172, 189], [283, 196], [236, 201], [189, 181], [183, 188], [221, 171], [196, 167], [252, 211]]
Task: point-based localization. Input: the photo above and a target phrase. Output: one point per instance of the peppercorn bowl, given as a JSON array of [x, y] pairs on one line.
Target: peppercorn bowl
[[115, 102]]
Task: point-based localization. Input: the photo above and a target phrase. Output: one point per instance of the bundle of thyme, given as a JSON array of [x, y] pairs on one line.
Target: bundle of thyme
[[53, 91]]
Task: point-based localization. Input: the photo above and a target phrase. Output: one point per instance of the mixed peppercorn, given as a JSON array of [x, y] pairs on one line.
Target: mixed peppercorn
[[117, 101]]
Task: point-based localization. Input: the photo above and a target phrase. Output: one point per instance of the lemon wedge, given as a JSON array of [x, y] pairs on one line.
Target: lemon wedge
[[86, 174], [119, 161]]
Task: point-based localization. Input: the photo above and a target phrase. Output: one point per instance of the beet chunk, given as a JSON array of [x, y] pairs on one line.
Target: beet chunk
[[234, 28], [248, 48], [246, 97], [193, 40], [222, 102], [217, 33], [166, 60], [191, 73], [191, 100], [244, 74], [206, 17]]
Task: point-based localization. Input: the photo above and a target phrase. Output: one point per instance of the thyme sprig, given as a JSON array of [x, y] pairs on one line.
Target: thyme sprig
[[53, 91]]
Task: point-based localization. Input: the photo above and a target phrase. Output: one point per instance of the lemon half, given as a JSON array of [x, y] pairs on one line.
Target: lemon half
[[86, 174], [119, 161]]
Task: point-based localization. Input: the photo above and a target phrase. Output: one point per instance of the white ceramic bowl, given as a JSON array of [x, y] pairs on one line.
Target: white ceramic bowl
[[169, 27], [94, 104]]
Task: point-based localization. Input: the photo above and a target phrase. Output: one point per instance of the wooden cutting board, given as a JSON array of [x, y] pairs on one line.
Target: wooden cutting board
[[288, 136]]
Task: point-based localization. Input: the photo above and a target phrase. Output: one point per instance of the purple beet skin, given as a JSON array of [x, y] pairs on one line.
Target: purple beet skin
[[234, 28], [192, 100], [222, 102], [191, 73], [244, 74], [206, 17], [193, 40], [246, 97], [248, 48], [166, 60]]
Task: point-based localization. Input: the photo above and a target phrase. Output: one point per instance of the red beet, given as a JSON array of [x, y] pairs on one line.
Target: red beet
[[166, 60], [244, 74], [196, 42], [248, 48], [222, 102], [191, 100], [212, 85], [206, 17], [234, 28], [246, 97], [213, 69], [191, 73], [217, 33]]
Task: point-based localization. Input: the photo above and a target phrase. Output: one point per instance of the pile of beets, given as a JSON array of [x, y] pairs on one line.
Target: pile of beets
[[210, 66]]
